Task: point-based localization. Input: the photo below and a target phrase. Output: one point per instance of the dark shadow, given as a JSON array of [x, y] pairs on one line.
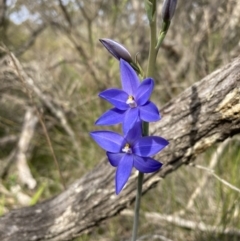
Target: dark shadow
[[195, 109]]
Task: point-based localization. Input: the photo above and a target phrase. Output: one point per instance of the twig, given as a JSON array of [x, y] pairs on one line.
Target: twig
[[154, 237], [8, 139], [8, 162], [213, 162], [155, 217], [65, 13], [24, 171], [3, 10], [211, 172], [63, 61], [184, 223], [30, 41], [19, 154]]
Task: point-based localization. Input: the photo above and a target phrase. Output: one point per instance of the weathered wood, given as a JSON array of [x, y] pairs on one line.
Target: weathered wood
[[206, 113]]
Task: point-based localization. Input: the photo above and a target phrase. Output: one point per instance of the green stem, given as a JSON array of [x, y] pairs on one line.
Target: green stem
[[145, 127], [137, 206], [152, 52]]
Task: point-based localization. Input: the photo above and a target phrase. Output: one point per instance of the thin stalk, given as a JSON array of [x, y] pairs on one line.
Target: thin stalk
[[137, 206], [145, 127], [153, 41]]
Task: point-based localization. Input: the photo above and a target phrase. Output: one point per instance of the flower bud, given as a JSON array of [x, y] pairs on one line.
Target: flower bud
[[168, 9], [116, 49]]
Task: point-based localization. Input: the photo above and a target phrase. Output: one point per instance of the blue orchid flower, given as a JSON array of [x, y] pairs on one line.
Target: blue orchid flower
[[131, 103], [131, 150]]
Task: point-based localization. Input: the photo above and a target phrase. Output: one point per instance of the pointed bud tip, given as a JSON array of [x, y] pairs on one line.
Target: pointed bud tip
[[168, 9], [116, 49]]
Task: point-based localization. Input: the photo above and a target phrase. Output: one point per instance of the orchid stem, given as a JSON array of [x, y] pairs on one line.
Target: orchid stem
[[153, 42], [145, 127], [137, 206]]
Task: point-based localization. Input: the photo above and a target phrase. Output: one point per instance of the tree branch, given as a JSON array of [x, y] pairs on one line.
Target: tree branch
[[3, 9], [31, 40], [184, 223], [65, 13], [29, 125], [205, 113]]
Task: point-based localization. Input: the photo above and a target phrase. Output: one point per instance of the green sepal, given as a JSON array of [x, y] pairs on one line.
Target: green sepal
[[162, 34], [137, 68]]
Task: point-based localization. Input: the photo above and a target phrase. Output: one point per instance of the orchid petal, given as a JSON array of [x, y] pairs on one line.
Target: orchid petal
[[116, 97], [134, 133], [123, 172], [149, 112], [130, 118], [149, 145], [111, 117], [114, 158], [146, 164], [108, 140], [129, 78], [144, 91]]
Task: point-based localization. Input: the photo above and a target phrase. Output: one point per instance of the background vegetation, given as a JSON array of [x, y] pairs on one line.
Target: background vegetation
[[57, 44]]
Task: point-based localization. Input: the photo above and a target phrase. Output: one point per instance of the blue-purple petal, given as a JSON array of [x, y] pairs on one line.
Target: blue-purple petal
[[114, 158], [116, 97], [134, 133], [149, 112], [108, 140], [146, 164], [123, 172], [130, 118], [111, 117], [149, 145], [144, 91], [129, 78]]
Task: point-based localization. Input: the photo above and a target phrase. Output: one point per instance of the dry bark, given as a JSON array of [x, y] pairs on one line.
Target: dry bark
[[206, 113]]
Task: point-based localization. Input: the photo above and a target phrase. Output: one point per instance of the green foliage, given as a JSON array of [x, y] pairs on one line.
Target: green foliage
[[38, 194]]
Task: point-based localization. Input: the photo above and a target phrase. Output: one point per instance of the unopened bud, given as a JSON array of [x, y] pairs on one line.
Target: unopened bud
[[168, 9], [116, 49]]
